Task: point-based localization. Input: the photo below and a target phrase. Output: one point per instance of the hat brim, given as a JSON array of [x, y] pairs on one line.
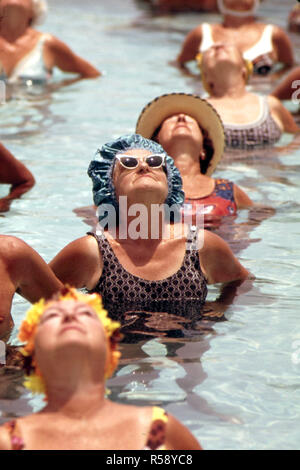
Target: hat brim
[[164, 106]]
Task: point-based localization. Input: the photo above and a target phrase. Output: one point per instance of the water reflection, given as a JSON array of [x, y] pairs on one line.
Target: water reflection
[[27, 112], [11, 387], [173, 354]]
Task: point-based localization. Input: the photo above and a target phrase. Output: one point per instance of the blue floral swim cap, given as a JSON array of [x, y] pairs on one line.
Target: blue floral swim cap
[[101, 170]]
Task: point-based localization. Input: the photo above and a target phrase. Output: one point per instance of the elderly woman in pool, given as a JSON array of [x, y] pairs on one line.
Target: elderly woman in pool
[[29, 55], [147, 258], [250, 120], [263, 45], [191, 132], [70, 350]]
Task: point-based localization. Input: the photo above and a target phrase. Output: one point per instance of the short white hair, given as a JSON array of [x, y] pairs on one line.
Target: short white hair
[[40, 9]]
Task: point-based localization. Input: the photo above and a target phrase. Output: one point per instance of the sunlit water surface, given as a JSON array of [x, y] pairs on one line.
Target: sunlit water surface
[[234, 383]]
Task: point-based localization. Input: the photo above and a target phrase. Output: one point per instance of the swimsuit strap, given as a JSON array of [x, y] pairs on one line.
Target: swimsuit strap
[[157, 433], [191, 244], [110, 260], [108, 253], [32, 65], [16, 439], [207, 40], [263, 46], [265, 107]]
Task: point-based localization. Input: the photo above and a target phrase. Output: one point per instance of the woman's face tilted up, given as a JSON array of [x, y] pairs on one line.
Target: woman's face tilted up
[[141, 182], [180, 128], [69, 327], [15, 12]]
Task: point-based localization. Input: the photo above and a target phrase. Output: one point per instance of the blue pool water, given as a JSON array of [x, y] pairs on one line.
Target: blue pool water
[[234, 383]]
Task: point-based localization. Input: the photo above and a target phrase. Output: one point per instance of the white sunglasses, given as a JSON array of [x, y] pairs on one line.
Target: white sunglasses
[[130, 162]]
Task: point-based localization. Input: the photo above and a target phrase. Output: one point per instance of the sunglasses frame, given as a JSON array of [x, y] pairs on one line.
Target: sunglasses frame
[[144, 159]]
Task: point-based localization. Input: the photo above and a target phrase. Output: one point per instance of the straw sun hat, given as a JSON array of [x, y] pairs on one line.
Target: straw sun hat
[[164, 106]]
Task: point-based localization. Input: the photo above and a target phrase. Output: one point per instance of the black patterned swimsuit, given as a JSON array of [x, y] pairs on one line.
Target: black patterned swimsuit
[[263, 132], [118, 286]]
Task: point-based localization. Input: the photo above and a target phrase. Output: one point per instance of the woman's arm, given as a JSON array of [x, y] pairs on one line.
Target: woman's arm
[[241, 199], [26, 270], [22, 270], [190, 46], [13, 172], [66, 60], [178, 437], [79, 263], [217, 261], [289, 87], [282, 116], [282, 46]]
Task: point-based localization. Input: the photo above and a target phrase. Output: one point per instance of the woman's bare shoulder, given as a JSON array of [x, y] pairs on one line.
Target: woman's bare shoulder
[[11, 246]]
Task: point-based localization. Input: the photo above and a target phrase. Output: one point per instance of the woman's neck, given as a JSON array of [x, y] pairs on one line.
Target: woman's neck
[[11, 33], [187, 165], [148, 226], [231, 21], [195, 184], [79, 402], [74, 379], [231, 87], [186, 158]]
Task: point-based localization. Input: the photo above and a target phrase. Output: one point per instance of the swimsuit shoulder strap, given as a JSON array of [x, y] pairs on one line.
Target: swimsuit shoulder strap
[[157, 433], [264, 107], [32, 60], [108, 255], [207, 40], [263, 46], [266, 37]]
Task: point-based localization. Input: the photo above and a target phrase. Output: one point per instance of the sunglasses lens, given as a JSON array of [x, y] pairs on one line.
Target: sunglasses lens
[[129, 162], [154, 161]]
